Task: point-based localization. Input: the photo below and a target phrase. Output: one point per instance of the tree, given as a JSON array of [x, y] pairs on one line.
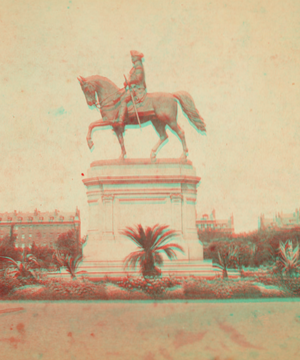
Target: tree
[[44, 254], [151, 242], [8, 246], [243, 256], [67, 243]]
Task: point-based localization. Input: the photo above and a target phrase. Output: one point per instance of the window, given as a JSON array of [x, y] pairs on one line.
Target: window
[[16, 227], [30, 235]]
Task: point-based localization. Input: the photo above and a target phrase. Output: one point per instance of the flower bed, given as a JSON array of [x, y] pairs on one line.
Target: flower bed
[[152, 287], [225, 289], [130, 288], [62, 289]]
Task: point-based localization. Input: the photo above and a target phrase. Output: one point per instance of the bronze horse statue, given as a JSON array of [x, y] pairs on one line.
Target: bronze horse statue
[[159, 108]]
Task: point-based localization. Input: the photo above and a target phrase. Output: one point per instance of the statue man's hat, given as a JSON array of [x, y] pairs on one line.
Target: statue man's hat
[[135, 55]]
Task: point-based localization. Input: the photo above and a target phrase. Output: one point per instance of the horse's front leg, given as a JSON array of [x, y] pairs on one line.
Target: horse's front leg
[[89, 138], [93, 125]]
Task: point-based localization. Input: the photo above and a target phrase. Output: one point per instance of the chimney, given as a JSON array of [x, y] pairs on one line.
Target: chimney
[[213, 214]]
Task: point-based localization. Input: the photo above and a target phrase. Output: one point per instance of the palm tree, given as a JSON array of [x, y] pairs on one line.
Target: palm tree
[[21, 268], [288, 260], [227, 254], [151, 242], [69, 262]]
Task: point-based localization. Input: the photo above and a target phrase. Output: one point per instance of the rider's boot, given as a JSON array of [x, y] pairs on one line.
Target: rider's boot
[[122, 114]]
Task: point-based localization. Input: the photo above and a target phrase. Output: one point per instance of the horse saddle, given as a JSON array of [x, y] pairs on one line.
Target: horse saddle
[[144, 108]]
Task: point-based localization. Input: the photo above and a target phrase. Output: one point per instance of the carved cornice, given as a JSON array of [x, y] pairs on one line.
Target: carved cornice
[[170, 179]]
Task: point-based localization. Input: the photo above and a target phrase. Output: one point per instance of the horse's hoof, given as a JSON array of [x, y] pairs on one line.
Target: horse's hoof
[[183, 157], [90, 144], [153, 157]]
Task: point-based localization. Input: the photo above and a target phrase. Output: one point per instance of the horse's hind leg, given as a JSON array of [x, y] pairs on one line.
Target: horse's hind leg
[[175, 127], [119, 133], [161, 130], [166, 111]]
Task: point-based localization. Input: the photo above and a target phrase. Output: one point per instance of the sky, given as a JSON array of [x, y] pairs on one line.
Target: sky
[[238, 59]]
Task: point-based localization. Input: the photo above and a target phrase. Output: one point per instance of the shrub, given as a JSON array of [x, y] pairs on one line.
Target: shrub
[[7, 284], [288, 258], [152, 287], [62, 289], [220, 289]]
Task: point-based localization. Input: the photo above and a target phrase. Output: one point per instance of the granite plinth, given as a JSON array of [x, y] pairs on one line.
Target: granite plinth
[[138, 191]]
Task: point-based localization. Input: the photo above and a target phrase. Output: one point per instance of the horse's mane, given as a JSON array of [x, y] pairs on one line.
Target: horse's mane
[[102, 81]]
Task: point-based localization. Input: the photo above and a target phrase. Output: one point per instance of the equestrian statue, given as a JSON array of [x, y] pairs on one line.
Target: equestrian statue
[[132, 105]]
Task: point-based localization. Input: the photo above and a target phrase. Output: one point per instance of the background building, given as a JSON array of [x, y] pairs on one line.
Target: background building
[[210, 223], [43, 228], [279, 221]]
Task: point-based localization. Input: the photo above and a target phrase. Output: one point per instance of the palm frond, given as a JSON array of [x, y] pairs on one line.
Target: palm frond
[[171, 245], [12, 261], [157, 230], [149, 231], [288, 258], [133, 235], [170, 253], [132, 259], [166, 236], [32, 259], [56, 256], [158, 258], [221, 261], [141, 232], [77, 260]]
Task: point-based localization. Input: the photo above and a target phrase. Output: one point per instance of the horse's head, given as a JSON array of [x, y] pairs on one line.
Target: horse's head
[[89, 91]]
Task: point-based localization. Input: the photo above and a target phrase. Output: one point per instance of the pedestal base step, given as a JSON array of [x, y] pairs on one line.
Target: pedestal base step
[[115, 269]]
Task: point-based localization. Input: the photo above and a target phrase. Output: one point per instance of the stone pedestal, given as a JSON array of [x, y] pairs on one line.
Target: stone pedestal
[[137, 191]]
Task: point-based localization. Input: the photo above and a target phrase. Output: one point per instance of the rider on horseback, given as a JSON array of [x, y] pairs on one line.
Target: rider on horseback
[[137, 81]]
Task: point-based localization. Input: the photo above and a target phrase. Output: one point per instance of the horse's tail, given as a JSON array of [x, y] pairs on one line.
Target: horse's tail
[[189, 108]]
